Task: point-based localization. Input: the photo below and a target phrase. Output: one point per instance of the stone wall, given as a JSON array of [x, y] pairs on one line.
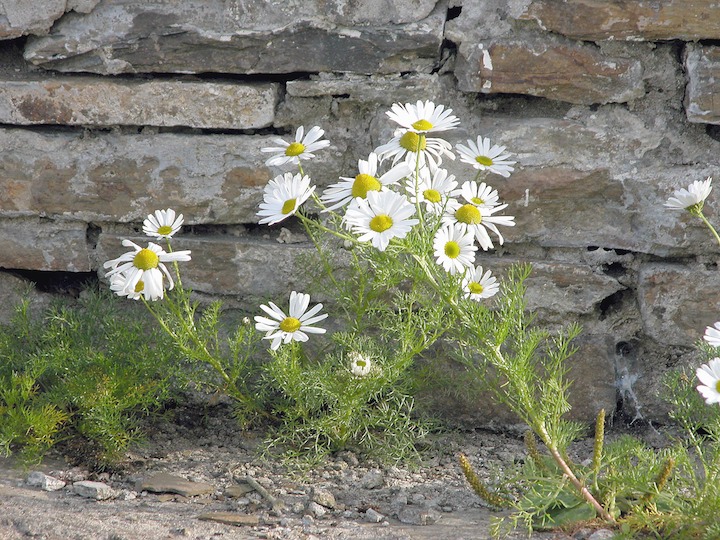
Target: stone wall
[[110, 109]]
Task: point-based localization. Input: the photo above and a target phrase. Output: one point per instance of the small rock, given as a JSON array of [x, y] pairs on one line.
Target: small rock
[[373, 479], [230, 518], [44, 481], [324, 497], [168, 483], [315, 510], [414, 515], [93, 490], [238, 490], [373, 516], [398, 501], [127, 495]]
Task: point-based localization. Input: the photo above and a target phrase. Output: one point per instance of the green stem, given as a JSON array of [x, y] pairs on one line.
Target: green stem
[[200, 351], [709, 225]]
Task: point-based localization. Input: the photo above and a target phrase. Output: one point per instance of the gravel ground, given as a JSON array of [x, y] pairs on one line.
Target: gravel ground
[[343, 498]]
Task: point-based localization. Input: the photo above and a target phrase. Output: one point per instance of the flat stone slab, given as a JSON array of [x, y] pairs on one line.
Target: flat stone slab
[[168, 483], [203, 36], [230, 518], [95, 102], [591, 20]]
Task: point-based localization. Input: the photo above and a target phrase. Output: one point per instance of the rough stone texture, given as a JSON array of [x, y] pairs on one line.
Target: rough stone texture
[[702, 64], [677, 302], [592, 20], [113, 177], [22, 17], [41, 244], [95, 102], [378, 88], [564, 71], [233, 37]]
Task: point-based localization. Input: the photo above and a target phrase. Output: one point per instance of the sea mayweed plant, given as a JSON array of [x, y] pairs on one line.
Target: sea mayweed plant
[[397, 244], [397, 247]]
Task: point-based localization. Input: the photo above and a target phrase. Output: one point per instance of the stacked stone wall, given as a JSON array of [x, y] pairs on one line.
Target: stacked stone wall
[[110, 109]]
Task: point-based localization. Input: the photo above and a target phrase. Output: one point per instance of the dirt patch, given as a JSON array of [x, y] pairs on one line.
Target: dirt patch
[[343, 498]]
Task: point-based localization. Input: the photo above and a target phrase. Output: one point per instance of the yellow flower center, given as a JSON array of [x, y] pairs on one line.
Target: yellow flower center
[[146, 259], [290, 325], [484, 160], [288, 206], [432, 195], [295, 149], [422, 125], [412, 142], [717, 386], [364, 183], [475, 288], [477, 200], [381, 223], [360, 363], [452, 249], [469, 214], [139, 286], [165, 229]]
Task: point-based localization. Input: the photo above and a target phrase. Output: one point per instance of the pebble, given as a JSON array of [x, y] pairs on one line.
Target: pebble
[[324, 497], [414, 515], [93, 490], [373, 479], [315, 509], [373, 516], [44, 481]]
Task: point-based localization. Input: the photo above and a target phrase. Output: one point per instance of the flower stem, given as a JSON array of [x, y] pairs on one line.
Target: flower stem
[[709, 226]]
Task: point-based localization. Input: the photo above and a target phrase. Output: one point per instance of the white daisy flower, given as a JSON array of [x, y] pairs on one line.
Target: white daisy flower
[[478, 219], [410, 146], [367, 180], [423, 117], [712, 335], [381, 217], [480, 195], [301, 148], [692, 198], [434, 188], [481, 156], [146, 265], [455, 249], [163, 224], [709, 376], [282, 328], [283, 196], [360, 365], [117, 284], [477, 285]]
